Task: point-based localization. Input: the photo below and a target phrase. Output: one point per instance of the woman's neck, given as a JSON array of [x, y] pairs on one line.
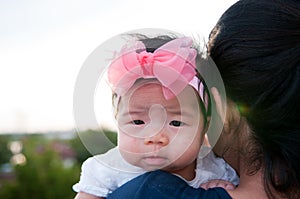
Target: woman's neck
[[250, 186]]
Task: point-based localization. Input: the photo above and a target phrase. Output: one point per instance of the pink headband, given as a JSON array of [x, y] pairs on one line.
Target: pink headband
[[173, 65]]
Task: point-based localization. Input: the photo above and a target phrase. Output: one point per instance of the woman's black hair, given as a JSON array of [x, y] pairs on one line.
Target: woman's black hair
[[256, 47]]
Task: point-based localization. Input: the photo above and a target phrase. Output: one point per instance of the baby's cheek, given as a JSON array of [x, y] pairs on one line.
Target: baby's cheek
[[128, 143], [130, 149]]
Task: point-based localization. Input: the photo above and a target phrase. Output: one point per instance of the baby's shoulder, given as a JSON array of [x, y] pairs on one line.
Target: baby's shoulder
[[111, 161], [102, 160]]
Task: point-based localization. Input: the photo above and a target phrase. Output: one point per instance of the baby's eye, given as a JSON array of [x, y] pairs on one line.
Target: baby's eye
[[176, 123], [138, 122]]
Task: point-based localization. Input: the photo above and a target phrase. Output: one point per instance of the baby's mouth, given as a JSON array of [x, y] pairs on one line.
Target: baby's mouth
[[155, 160]]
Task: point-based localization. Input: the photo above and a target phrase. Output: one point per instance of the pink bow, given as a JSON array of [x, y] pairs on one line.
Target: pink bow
[[173, 65]]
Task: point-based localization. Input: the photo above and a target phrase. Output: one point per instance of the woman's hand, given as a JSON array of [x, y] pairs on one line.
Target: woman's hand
[[218, 183]]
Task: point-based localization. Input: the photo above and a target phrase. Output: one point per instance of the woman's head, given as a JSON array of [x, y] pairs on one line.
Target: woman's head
[[160, 100], [256, 47]]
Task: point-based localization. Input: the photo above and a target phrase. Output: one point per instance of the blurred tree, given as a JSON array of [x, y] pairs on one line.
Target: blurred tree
[[5, 153], [43, 176], [91, 142], [111, 135], [80, 150]]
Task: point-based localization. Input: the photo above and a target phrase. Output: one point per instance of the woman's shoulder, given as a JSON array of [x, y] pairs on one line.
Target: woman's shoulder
[[163, 185], [217, 193]]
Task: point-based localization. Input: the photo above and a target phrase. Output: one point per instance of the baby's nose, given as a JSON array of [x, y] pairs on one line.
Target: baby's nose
[[159, 139]]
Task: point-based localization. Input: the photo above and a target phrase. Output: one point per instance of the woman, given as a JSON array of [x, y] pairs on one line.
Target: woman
[[256, 47]]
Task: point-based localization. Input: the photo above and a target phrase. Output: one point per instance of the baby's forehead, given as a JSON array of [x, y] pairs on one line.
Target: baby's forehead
[[143, 87], [149, 84], [149, 91]]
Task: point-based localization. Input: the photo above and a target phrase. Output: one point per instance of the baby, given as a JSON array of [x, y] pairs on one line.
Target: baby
[[162, 111]]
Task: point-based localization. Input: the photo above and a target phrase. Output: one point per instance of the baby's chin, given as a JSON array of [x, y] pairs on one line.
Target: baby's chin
[[152, 164]]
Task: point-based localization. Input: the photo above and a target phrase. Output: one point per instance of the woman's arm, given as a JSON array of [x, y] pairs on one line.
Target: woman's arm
[[163, 185]]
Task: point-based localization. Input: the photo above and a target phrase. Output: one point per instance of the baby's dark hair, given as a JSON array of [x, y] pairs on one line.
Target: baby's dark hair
[[256, 47], [153, 43]]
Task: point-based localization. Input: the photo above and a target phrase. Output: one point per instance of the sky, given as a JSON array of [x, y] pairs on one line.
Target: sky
[[43, 45]]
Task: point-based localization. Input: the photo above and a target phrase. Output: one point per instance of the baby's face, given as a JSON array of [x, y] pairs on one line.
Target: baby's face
[[155, 133]]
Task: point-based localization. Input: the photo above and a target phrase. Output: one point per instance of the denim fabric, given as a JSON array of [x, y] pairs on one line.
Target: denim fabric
[[162, 185]]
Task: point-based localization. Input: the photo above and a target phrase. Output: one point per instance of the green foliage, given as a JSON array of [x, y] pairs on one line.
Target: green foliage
[[112, 136], [5, 153], [92, 142], [43, 176], [80, 150]]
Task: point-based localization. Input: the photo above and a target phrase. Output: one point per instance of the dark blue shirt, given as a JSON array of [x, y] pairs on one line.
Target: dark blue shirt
[[163, 185]]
